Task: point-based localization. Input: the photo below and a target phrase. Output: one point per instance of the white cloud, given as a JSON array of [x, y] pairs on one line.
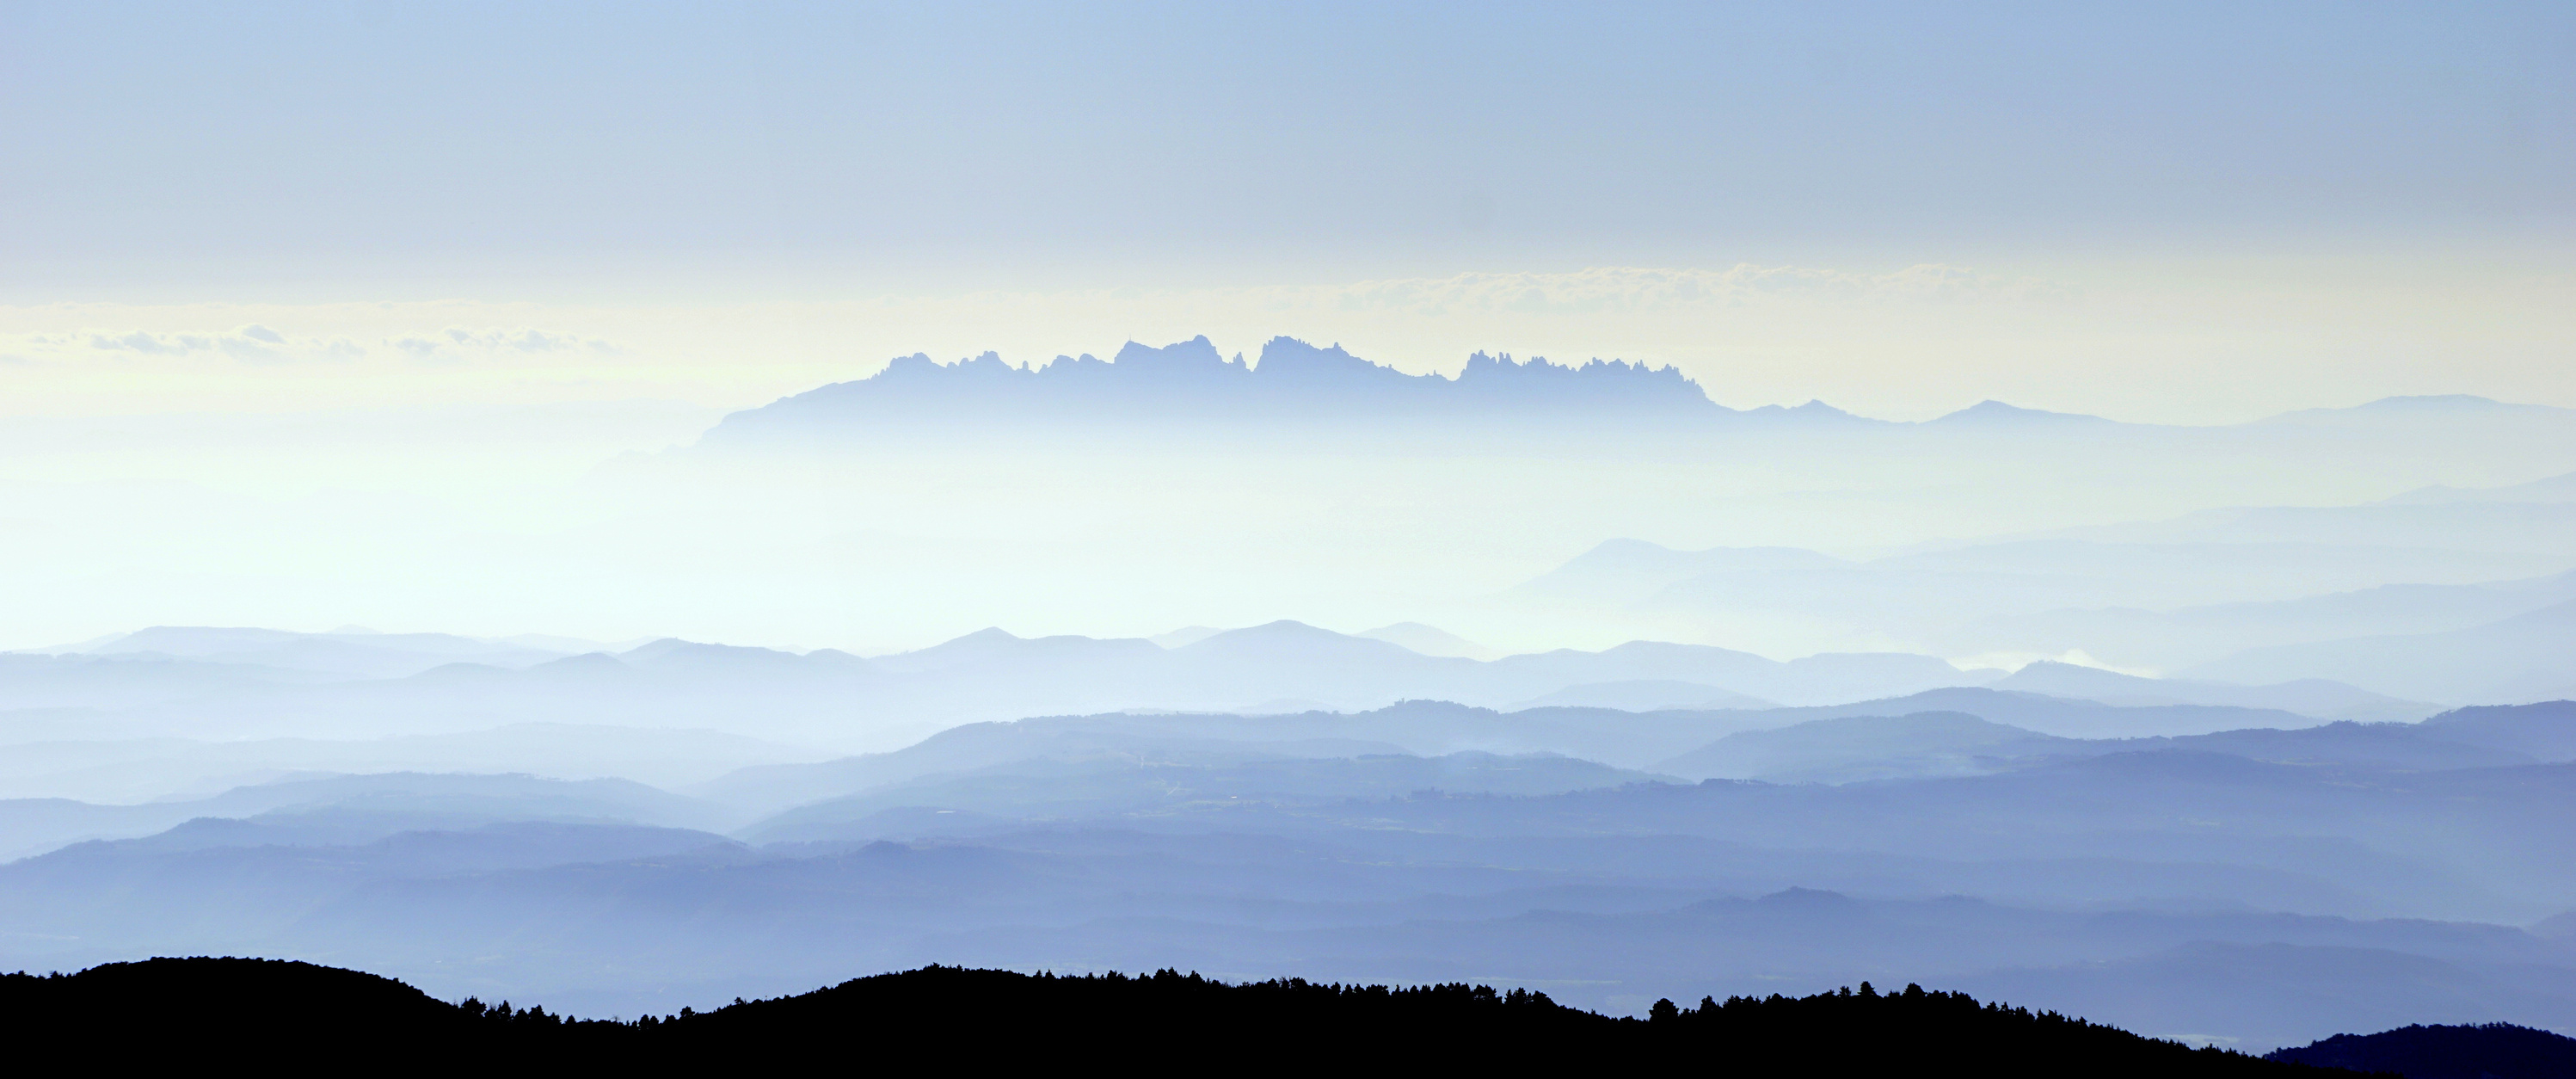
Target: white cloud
[[138, 341], [249, 351], [248, 345], [526, 340]]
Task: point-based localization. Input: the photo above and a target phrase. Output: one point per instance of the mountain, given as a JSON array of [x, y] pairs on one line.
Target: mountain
[[824, 697], [1921, 745], [1156, 846], [31, 826], [2403, 747], [2483, 1051], [1191, 382], [147, 769], [1816, 679], [993, 651], [1620, 739], [2149, 599], [2276, 994], [1295, 1023], [2560, 488], [1645, 695], [2058, 716], [1998, 416], [359, 654], [1424, 729], [2310, 697], [1430, 641], [2187, 636], [1037, 790], [2512, 661], [194, 1002], [2544, 731]]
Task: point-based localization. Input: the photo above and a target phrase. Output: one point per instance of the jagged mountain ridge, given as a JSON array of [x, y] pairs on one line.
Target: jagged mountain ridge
[[1192, 380], [1296, 380]]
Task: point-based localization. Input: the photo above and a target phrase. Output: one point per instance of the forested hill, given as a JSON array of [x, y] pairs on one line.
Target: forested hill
[[201, 1009], [2485, 1051]]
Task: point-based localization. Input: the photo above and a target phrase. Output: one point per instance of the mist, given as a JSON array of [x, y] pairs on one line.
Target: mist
[[1529, 505]]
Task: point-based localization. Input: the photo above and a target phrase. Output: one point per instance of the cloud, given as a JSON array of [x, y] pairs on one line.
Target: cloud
[[249, 351], [527, 340], [138, 341], [250, 344], [416, 348]]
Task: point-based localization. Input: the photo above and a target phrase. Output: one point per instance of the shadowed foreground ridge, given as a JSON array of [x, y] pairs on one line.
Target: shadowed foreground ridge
[[992, 1016], [2484, 1051]]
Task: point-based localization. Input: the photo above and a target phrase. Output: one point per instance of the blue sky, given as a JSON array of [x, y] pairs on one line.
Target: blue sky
[[536, 150]]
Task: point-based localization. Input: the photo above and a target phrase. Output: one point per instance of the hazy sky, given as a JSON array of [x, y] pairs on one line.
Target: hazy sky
[[2161, 212], [307, 312]]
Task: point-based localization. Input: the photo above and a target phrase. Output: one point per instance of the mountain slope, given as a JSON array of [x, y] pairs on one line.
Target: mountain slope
[[2520, 659], [1296, 1026], [2484, 1051]]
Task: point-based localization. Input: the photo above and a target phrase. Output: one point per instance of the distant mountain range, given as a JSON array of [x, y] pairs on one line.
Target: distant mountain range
[[206, 684], [2443, 596], [2245, 875], [2234, 886], [1190, 381], [1295, 381]]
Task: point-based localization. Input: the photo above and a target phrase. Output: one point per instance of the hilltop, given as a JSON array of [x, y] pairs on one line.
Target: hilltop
[[995, 1018]]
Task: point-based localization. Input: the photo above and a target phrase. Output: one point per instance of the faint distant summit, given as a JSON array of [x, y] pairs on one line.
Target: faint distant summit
[[1190, 380], [1296, 384], [1996, 414]]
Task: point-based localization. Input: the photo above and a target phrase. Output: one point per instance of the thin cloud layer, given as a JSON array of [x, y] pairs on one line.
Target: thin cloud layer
[[2201, 343]]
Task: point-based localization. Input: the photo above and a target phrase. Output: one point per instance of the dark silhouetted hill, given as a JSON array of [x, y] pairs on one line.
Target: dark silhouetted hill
[[166, 1010], [2485, 1051], [173, 1009]]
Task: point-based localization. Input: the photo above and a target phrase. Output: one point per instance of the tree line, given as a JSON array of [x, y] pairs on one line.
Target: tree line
[[202, 1009]]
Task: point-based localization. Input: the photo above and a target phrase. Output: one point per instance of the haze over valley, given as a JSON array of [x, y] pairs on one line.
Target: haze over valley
[[2223, 748], [2032, 540]]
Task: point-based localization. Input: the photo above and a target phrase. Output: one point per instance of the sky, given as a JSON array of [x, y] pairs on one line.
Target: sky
[[457, 255], [2291, 205]]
